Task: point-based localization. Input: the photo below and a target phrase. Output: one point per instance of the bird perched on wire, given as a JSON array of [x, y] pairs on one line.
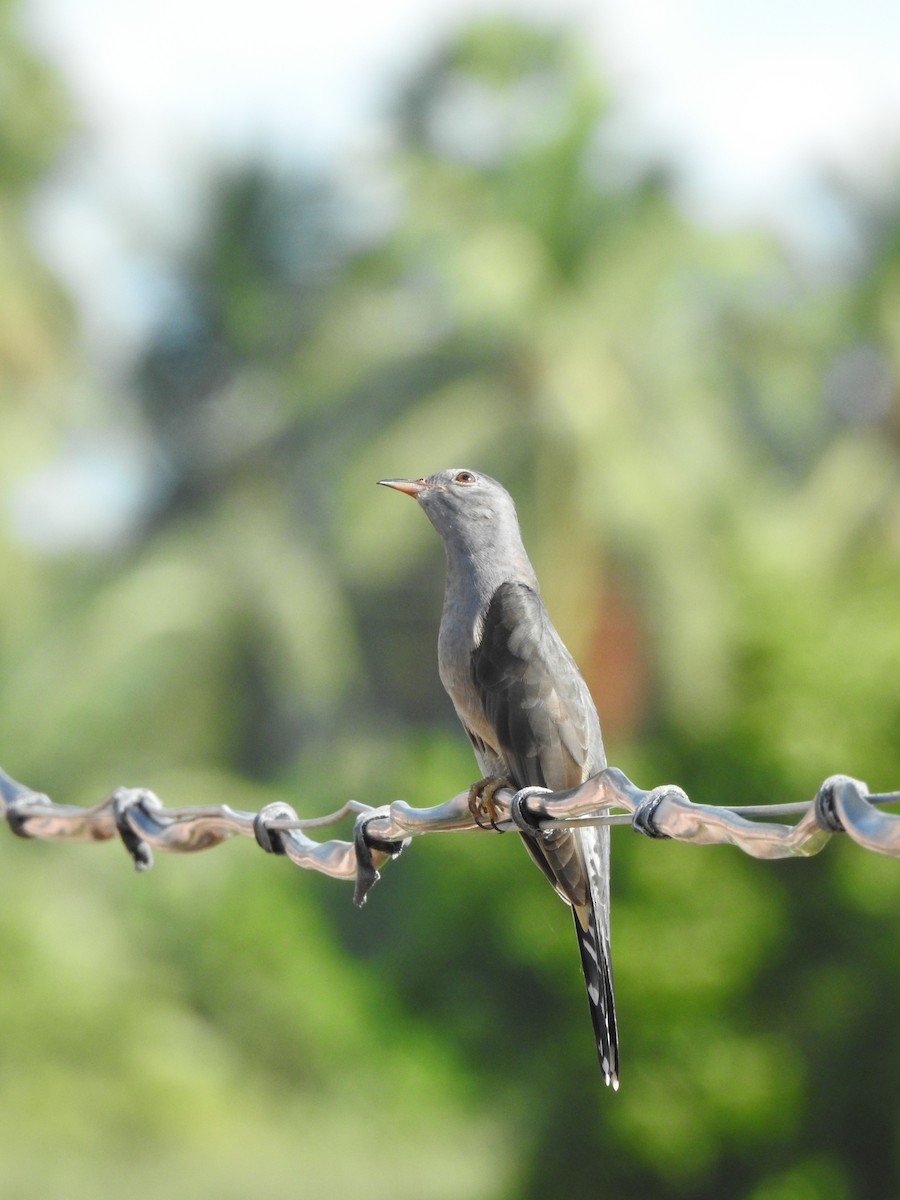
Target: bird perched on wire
[[523, 703]]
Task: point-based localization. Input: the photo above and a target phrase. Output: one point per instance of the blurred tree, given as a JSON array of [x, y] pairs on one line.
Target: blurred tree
[[705, 454]]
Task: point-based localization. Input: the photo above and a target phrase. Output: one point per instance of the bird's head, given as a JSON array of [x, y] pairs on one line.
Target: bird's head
[[473, 513]]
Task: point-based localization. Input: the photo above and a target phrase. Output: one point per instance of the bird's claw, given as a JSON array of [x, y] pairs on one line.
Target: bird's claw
[[481, 801]]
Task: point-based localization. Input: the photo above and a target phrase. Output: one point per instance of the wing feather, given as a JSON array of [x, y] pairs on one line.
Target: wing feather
[[545, 727], [533, 694]]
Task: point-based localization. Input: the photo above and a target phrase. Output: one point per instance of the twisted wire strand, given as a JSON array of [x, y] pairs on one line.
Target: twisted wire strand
[[140, 820]]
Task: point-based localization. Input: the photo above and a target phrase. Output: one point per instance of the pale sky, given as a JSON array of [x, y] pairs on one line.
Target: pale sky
[[751, 98]]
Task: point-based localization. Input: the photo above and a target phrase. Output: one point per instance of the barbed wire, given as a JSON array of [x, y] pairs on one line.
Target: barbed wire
[[142, 822]]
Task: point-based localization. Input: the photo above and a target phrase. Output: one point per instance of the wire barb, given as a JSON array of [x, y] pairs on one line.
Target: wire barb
[[643, 819]]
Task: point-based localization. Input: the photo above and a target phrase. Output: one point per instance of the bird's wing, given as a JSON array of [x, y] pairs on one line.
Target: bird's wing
[[541, 715], [546, 729], [533, 695]]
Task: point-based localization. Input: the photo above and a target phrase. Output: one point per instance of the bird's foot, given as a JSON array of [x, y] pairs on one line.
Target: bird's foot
[[481, 800]]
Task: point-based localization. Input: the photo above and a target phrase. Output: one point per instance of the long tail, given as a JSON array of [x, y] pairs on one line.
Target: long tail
[[597, 967]]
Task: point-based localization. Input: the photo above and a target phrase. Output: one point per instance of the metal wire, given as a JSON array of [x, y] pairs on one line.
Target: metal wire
[[143, 824]]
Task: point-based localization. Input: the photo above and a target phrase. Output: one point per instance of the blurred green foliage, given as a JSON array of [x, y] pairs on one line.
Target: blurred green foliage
[[704, 448]]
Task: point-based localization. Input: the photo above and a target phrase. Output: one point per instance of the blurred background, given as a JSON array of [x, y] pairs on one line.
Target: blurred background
[[642, 265]]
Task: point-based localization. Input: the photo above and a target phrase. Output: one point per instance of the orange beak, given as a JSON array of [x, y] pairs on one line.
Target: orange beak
[[411, 487]]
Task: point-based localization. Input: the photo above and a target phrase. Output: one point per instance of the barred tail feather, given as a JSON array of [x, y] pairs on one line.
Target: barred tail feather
[[597, 967]]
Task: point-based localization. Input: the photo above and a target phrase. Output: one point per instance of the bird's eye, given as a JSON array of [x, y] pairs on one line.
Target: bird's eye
[[464, 477]]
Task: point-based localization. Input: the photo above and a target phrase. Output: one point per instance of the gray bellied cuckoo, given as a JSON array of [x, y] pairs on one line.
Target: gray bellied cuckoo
[[523, 703]]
